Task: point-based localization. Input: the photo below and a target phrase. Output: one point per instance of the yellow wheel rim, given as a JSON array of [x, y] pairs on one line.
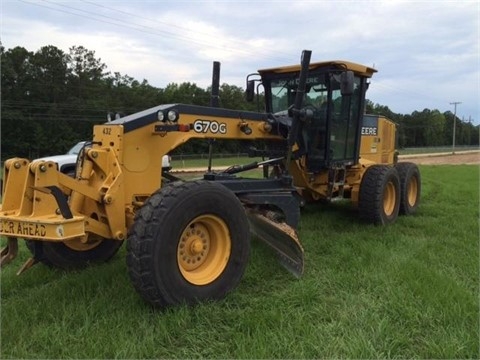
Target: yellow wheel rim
[[84, 243], [389, 199], [204, 249], [412, 191]]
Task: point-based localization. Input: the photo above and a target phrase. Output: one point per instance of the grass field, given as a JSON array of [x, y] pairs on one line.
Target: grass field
[[409, 290]]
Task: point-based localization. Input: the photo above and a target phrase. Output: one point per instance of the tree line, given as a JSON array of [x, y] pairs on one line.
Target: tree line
[[51, 99]]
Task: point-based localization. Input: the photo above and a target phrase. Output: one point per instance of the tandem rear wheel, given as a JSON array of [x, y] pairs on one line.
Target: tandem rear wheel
[[410, 187], [379, 196], [189, 242]]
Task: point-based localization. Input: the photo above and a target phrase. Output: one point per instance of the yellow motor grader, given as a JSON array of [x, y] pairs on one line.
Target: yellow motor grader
[[190, 240]]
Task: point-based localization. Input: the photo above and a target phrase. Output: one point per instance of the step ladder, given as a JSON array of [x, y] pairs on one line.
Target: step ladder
[[336, 179]]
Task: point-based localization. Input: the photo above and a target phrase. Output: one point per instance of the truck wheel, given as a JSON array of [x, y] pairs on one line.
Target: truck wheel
[[379, 197], [189, 242], [410, 187], [73, 254], [69, 171]]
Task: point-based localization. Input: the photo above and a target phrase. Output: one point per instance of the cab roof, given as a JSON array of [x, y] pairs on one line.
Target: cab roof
[[347, 65]]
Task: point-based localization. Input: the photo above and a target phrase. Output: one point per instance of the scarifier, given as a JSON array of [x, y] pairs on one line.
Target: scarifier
[[188, 241]]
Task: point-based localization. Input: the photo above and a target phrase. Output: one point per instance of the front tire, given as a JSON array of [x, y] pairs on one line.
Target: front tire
[[73, 254], [379, 197], [189, 242]]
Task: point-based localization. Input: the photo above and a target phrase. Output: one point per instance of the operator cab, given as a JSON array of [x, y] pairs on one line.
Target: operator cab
[[333, 102]]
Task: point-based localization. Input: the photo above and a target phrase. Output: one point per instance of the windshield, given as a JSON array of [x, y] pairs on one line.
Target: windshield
[[76, 149], [331, 134], [284, 92]]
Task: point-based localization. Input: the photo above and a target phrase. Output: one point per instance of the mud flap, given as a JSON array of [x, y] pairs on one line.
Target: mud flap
[[280, 237]]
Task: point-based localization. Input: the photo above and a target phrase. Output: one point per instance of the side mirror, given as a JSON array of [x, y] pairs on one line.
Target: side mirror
[[346, 83], [250, 91]]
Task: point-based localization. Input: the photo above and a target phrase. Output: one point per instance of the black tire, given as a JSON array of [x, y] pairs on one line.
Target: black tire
[[69, 169], [69, 257], [71, 173], [410, 187], [176, 218], [379, 197]]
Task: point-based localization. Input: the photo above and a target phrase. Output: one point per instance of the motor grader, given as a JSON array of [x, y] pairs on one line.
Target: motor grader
[[190, 240]]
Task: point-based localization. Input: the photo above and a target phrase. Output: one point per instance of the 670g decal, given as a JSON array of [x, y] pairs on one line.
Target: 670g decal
[[205, 126]]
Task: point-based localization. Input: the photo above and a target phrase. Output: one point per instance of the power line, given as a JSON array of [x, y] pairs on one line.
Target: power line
[[156, 31], [170, 25], [142, 28], [455, 103]]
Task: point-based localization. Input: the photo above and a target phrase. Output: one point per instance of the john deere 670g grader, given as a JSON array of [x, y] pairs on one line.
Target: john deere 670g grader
[[190, 240]]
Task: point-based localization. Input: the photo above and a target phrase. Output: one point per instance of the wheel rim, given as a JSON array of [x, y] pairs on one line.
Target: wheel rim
[[389, 199], [84, 243], [412, 191], [204, 249]]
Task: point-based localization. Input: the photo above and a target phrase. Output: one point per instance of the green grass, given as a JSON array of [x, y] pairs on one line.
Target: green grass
[[409, 290]]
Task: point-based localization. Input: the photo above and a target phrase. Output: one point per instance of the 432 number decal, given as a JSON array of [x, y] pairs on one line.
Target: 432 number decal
[[205, 126]]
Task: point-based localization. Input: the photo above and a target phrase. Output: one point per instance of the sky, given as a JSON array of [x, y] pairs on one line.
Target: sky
[[426, 52]]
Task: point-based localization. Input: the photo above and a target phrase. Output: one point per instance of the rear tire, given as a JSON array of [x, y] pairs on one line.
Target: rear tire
[[189, 242], [410, 187], [379, 197]]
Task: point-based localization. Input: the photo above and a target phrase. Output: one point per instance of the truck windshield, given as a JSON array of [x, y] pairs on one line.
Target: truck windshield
[[330, 136], [76, 148], [284, 91]]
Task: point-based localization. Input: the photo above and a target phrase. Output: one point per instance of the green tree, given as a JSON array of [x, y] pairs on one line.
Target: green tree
[[17, 79], [16, 74], [186, 93], [86, 72], [233, 97], [50, 72], [428, 128], [50, 100], [435, 128]]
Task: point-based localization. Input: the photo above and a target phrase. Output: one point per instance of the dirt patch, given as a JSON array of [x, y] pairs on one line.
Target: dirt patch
[[466, 158]]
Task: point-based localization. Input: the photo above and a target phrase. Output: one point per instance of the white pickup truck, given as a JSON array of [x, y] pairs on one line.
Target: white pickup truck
[[66, 163]]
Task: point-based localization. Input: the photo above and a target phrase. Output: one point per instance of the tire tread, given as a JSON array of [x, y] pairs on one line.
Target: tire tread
[[141, 241]]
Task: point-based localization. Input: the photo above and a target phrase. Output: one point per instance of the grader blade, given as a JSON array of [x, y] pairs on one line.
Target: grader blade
[[281, 238]]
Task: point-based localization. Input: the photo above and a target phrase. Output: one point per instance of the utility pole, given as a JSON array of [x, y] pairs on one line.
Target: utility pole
[[455, 103]]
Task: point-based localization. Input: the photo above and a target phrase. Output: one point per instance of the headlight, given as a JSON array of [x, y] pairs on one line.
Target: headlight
[[172, 115], [161, 116]]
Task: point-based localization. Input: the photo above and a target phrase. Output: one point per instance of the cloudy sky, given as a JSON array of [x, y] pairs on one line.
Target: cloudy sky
[[426, 52]]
